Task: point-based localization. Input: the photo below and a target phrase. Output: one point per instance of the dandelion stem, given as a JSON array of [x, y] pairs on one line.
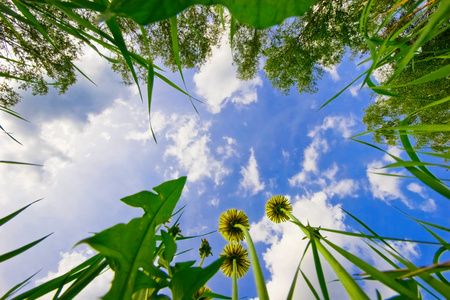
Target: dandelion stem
[[203, 259], [235, 287], [350, 285], [257, 271]]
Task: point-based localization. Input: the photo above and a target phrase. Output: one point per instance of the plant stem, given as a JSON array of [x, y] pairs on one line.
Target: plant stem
[[257, 271], [350, 285], [235, 287], [203, 259]]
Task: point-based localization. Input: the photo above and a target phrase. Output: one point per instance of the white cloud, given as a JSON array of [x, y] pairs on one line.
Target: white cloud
[[384, 187], [339, 124], [395, 151], [311, 157], [331, 172], [214, 202], [250, 181], [428, 205], [217, 82], [333, 73], [416, 188], [228, 150], [286, 155], [354, 90], [343, 188], [191, 148]]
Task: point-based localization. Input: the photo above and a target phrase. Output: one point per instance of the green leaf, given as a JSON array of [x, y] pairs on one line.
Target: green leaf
[[17, 287], [55, 283], [311, 287], [213, 295], [18, 163], [378, 275], [188, 280], [257, 13], [170, 246], [130, 247], [13, 253], [319, 271], [116, 32], [12, 215]]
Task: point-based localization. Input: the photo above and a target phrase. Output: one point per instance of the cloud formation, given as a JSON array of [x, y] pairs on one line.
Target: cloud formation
[[217, 83], [250, 181], [191, 148]]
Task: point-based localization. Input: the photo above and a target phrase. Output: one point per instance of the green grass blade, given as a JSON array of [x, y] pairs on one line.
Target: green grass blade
[[176, 52], [440, 15], [377, 237], [350, 285], [116, 32], [17, 287], [55, 283], [88, 275], [150, 80], [337, 95], [166, 80], [430, 181], [13, 253], [437, 255], [311, 287], [319, 271], [10, 136], [12, 215], [403, 176], [378, 275], [413, 164], [294, 281], [18, 163]]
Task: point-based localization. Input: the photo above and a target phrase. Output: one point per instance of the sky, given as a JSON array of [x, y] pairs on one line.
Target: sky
[[247, 143]]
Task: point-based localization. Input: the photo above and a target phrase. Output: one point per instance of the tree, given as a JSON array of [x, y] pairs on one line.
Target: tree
[[27, 56]]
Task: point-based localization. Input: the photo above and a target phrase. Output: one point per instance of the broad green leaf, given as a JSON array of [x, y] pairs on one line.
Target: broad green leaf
[[130, 247], [12, 215], [257, 13], [187, 281], [13, 253], [170, 247]]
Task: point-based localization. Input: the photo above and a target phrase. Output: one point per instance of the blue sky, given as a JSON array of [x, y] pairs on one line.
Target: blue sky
[[247, 143]]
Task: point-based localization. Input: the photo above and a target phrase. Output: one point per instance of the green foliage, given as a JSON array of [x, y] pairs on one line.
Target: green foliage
[[30, 57], [257, 13]]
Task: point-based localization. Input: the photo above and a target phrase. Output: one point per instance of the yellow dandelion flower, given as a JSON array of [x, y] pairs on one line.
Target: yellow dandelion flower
[[198, 294], [236, 252], [227, 221], [274, 206]]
